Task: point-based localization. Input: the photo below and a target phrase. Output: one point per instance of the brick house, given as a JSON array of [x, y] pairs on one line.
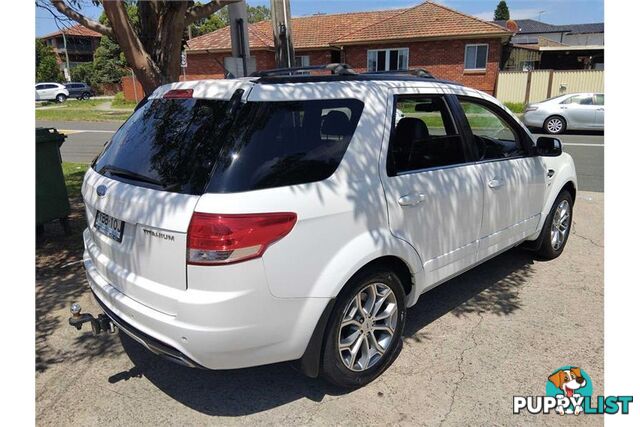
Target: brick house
[[450, 44], [81, 45]]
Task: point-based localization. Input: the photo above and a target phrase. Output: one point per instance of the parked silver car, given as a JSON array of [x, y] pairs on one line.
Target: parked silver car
[[51, 92], [574, 111]]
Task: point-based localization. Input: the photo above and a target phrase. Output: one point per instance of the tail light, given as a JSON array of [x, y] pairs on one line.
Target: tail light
[[179, 94], [530, 108], [223, 239]]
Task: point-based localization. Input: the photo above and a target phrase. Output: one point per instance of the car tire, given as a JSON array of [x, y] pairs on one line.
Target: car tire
[[555, 125], [557, 227], [61, 97], [86, 95], [377, 341]]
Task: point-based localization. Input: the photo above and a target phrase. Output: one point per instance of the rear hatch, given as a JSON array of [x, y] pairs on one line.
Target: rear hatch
[[141, 192]]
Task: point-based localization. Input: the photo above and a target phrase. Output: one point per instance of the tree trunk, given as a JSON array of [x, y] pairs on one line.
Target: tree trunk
[[143, 65], [154, 56], [162, 26]]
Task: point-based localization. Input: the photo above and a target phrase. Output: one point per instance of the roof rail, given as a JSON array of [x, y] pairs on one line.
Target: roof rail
[[418, 72], [335, 68]]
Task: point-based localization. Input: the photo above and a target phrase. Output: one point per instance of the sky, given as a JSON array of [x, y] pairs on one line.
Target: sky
[[550, 11]]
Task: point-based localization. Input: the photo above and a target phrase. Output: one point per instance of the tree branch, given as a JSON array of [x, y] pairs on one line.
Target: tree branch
[[62, 7], [197, 12]]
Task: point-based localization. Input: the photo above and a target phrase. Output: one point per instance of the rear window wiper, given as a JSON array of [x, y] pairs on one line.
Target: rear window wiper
[[127, 174]]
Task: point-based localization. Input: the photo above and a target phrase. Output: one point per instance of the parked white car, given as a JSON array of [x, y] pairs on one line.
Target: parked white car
[[575, 111], [51, 92], [235, 223]]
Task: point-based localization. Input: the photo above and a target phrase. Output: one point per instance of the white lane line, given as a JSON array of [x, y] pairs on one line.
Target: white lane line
[[85, 131], [582, 144]]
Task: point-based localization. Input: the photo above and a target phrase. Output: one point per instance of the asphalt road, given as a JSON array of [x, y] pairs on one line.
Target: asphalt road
[[86, 139], [470, 345]]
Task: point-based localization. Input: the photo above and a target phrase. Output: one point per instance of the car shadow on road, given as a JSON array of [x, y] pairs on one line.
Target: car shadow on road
[[492, 287]]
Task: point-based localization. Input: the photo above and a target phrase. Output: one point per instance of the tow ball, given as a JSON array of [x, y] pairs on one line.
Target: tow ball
[[100, 323]]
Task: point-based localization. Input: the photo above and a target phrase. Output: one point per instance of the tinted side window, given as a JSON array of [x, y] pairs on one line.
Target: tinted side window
[[599, 99], [424, 135], [39, 87], [274, 144], [579, 99], [494, 136]]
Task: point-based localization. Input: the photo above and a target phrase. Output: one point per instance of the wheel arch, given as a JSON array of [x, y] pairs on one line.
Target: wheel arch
[[309, 363], [560, 116]]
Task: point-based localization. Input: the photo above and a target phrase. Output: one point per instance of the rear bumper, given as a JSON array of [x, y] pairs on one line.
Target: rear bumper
[[214, 330], [152, 344], [534, 119]]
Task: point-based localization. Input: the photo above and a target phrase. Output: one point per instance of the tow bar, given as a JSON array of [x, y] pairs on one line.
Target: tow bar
[[99, 324]]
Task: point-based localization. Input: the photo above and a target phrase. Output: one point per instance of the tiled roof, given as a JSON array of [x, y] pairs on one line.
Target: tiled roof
[[221, 38], [529, 26], [76, 30], [423, 21], [532, 26], [321, 31], [597, 27]]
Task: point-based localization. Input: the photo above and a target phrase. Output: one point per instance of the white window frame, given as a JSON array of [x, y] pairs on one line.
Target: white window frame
[[486, 60], [305, 60], [387, 57]]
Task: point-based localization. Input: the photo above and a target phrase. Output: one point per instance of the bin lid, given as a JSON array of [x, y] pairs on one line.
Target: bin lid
[[49, 135]]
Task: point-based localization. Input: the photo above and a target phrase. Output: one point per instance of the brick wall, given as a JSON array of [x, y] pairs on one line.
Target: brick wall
[[128, 89], [443, 58]]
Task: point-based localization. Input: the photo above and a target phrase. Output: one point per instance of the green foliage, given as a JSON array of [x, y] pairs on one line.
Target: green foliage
[[83, 73], [73, 177], [515, 107], [258, 13], [221, 19], [47, 69], [108, 62], [120, 102], [502, 11], [207, 25]]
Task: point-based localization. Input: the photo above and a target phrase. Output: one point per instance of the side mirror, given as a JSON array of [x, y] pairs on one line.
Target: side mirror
[[548, 146]]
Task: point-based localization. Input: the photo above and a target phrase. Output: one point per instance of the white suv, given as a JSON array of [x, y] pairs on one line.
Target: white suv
[[234, 223], [51, 92]]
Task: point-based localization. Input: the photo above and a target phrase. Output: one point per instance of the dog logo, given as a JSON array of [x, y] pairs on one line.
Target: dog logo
[[569, 390], [569, 380]]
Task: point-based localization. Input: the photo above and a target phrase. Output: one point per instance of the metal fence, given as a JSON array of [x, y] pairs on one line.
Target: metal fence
[[533, 86]]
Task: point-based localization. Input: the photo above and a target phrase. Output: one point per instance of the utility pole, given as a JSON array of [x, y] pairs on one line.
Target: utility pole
[[282, 38], [241, 63]]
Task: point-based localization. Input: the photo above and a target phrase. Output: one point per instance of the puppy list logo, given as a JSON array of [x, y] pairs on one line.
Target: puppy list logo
[[569, 391]]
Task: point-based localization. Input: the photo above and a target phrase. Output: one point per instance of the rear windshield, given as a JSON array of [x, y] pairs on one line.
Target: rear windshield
[[193, 146]]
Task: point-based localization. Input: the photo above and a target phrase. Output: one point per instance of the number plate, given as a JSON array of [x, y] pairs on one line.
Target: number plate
[[109, 226]]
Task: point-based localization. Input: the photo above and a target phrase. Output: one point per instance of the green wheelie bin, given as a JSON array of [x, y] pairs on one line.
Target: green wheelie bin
[[52, 201]]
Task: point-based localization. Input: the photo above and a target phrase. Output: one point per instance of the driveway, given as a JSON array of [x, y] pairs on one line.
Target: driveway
[[470, 345]]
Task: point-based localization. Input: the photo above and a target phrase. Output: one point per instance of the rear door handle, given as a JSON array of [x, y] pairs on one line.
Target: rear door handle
[[600, 109], [496, 183], [412, 199]]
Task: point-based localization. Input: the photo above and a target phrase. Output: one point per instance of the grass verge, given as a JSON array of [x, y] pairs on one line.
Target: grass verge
[[88, 110], [73, 176]]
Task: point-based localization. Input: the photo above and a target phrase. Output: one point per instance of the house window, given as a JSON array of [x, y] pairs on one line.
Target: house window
[[475, 56], [302, 61], [388, 59]]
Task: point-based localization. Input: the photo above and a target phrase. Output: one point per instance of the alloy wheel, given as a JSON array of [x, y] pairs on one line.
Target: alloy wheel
[[560, 224], [367, 327], [555, 125]]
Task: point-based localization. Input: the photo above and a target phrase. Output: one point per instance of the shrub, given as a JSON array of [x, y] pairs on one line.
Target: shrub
[[119, 101], [515, 107]]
